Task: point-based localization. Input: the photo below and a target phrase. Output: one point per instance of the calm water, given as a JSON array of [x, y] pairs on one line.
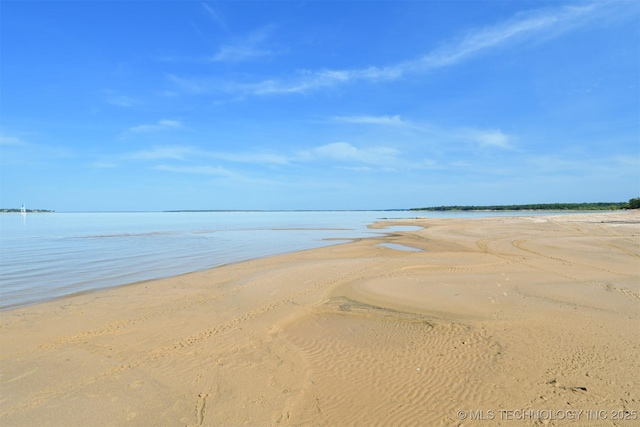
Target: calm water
[[47, 255]]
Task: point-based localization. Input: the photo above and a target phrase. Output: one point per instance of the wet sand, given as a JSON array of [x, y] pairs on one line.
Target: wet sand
[[496, 321]]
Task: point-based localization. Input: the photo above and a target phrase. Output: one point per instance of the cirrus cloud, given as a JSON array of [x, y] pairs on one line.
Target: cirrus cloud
[[345, 152], [535, 26], [196, 169], [161, 125]]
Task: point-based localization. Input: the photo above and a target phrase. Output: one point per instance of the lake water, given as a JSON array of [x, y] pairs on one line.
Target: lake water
[[48, 255]]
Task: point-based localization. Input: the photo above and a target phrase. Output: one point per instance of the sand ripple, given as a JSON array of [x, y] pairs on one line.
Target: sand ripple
[[373, 366]]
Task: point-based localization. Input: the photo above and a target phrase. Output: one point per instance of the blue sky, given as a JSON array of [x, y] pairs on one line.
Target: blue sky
[[152, 105]]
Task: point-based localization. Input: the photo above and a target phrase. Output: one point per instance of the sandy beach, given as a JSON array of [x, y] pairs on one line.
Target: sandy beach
[[494, 321]]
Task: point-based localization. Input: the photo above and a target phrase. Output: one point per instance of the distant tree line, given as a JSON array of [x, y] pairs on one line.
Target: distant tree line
[[13, 210], [599, 206]]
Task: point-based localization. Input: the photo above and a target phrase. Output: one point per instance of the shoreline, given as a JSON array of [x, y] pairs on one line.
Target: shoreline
[[494, 313], [50, 277], [344, 240], [65, 253]]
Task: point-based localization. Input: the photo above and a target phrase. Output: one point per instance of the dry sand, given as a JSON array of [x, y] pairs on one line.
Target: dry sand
[[494, 317]]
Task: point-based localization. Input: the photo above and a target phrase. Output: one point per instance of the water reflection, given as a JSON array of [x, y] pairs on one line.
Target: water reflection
[[400, 247]]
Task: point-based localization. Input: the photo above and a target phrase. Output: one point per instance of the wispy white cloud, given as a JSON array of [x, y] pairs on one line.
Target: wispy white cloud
[[238, 53], [113, 97], [174, 152], [103, 165], [494, 138], [345, 152], [428, 141], [161, 125], [122, 101], [192, 153], [248, 157], [537, 25], [489, 138], [197, 169], [358, 168], [215, 16], [305, 81], [544, 23], [376, 120], [245, 48], [10, 140], [32, 151], [191, 85]]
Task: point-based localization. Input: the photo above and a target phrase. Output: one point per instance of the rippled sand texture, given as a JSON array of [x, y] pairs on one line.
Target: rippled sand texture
[[494, 314]]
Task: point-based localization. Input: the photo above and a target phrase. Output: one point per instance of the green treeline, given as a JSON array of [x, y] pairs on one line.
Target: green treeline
[[600, 206]]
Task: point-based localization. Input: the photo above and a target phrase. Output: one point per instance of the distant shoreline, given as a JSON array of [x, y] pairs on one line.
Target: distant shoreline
[[600, 206], [596, 206], [13, 210]]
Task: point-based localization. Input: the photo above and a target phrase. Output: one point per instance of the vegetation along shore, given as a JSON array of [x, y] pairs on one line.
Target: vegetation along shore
[[599, 206]]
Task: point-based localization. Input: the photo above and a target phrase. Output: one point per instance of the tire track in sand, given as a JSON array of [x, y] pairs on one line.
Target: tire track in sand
[[46, 394], [485, 247], [520, 244], [119, 326]]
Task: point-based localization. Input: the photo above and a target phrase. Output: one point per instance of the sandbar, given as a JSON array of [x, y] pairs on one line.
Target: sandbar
[[492, 321]]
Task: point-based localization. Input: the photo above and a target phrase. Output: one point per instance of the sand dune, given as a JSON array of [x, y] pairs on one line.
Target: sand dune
[[497, 321]]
